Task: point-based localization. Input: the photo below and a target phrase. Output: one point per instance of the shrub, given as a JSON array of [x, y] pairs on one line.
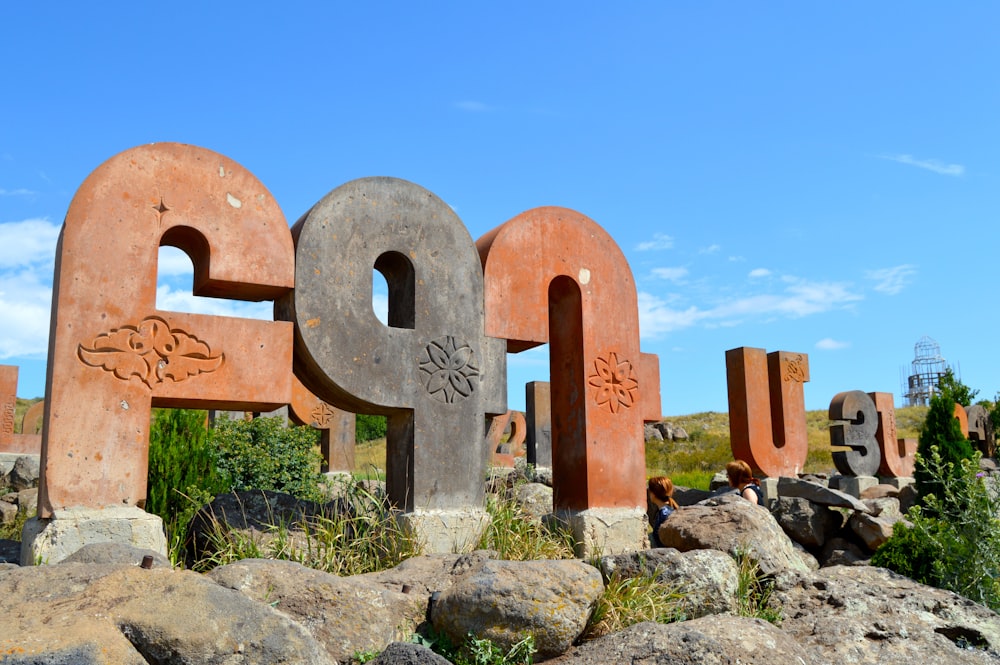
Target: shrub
[[942, 431], [954, 540], [369, 428], [180, 457], [264, 454]]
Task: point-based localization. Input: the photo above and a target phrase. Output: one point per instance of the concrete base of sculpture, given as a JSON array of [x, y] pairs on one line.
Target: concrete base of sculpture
[[52, 540], [899, 483], [769, 487], [855, 485], [601, 531], [445, 531]]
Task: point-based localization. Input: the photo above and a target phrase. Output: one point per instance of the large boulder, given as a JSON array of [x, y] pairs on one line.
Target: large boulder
[[506, 600], [862, 614], [535, 499], [807, 523], [112, 614], [709, 579], [346, 614], [423, 575], [715, 640], [819, 494], [730, 523]]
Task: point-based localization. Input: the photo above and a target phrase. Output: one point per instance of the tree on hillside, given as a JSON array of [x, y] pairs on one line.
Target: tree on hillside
[[941, 430], [949, 385]]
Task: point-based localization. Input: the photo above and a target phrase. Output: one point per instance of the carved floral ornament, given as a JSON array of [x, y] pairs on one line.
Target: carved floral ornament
[[615, 382], [152, 351], [321, 416], [793, 369], [449, 369]]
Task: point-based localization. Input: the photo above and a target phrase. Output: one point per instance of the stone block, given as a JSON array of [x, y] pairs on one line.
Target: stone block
[[538, 419], [769, 486], [855, 425], [31, 423], [8, 403], [604, 531], [445, 530], [824, 496], [574, 290], [855, 485], [432, 370], [767, 417], [113, 355], [52, 540], [898, 483]]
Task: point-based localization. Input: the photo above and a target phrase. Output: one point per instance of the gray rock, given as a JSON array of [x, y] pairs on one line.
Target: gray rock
[[716, 640], [534, 498], [24, 474], [505, 600], [406, 653], [873, 530], [879, 492], [709, 579], [115, 553], [652, 433], [687, 496], [884, 506], [907, 498], [129, 615], [423, 575], [840, 551], [345, 614], [729, 523], [818, 494], [10, 551], [8, 512], [862, 614], [805, 522]]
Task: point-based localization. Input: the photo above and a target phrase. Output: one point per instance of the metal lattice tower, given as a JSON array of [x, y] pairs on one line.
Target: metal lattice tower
[[925, 372]]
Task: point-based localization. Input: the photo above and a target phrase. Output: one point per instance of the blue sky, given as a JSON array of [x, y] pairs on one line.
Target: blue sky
[[811, 177]]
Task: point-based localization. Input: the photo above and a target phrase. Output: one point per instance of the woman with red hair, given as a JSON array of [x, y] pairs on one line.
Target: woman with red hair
[[660, 492]]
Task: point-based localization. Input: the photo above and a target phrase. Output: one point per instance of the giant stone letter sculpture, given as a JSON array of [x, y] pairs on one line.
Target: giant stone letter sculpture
[[574, 290], [432, 370], [980, 429], [767, 414], [113, 355], [898, 455], [855, 428]]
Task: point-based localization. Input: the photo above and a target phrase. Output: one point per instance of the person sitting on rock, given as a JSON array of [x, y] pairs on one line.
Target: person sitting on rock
[[660, 492], [742, 480]]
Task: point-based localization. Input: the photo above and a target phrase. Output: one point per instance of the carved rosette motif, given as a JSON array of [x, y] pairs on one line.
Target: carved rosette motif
[[321, 416], [151, 351], [449, 369], [794, 369], [615, 383]]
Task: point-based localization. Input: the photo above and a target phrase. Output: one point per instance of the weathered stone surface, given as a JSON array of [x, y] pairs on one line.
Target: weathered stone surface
[[606, 530], [534, 498], [873, 530], [8, 512], [879, 491], [861, 614], [715, 640], [574, 290], [538, 420], [818, 494], [651, 433], [423, 575], [50, 540], [551, 600], [761, 384], [887, 506], [346, 615], [432, 370], [25, 473], [840, 551], [708, 578], [805, 522], [116, 553], [897, 455], [855, 425], [688, 496], [115, 614], [31, 423], [729, 523], [406, 653], [113, 355]]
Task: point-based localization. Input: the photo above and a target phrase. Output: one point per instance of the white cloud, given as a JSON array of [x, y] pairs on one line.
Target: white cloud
[[711, 249], [830, 344], [672, 274], [659, 241], [928, 164], [800, 298], [17, 192], [473, 106], [171, 299], [892, 280], [759, 272], [29, 242], [173, 262], [26, 304]]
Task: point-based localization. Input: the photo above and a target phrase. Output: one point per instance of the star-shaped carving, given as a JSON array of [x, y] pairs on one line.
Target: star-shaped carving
[[160, 208]]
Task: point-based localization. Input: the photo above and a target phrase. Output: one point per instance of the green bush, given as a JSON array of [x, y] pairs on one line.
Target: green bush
[[264, 454], [954, 540], [942, 431], [180, 457], [369, 428]]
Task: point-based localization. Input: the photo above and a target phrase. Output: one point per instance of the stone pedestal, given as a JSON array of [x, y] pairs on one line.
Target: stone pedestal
[[897, 482], [769, 486], [855, 485], [52, 540], [445, 531], [602, 531]]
